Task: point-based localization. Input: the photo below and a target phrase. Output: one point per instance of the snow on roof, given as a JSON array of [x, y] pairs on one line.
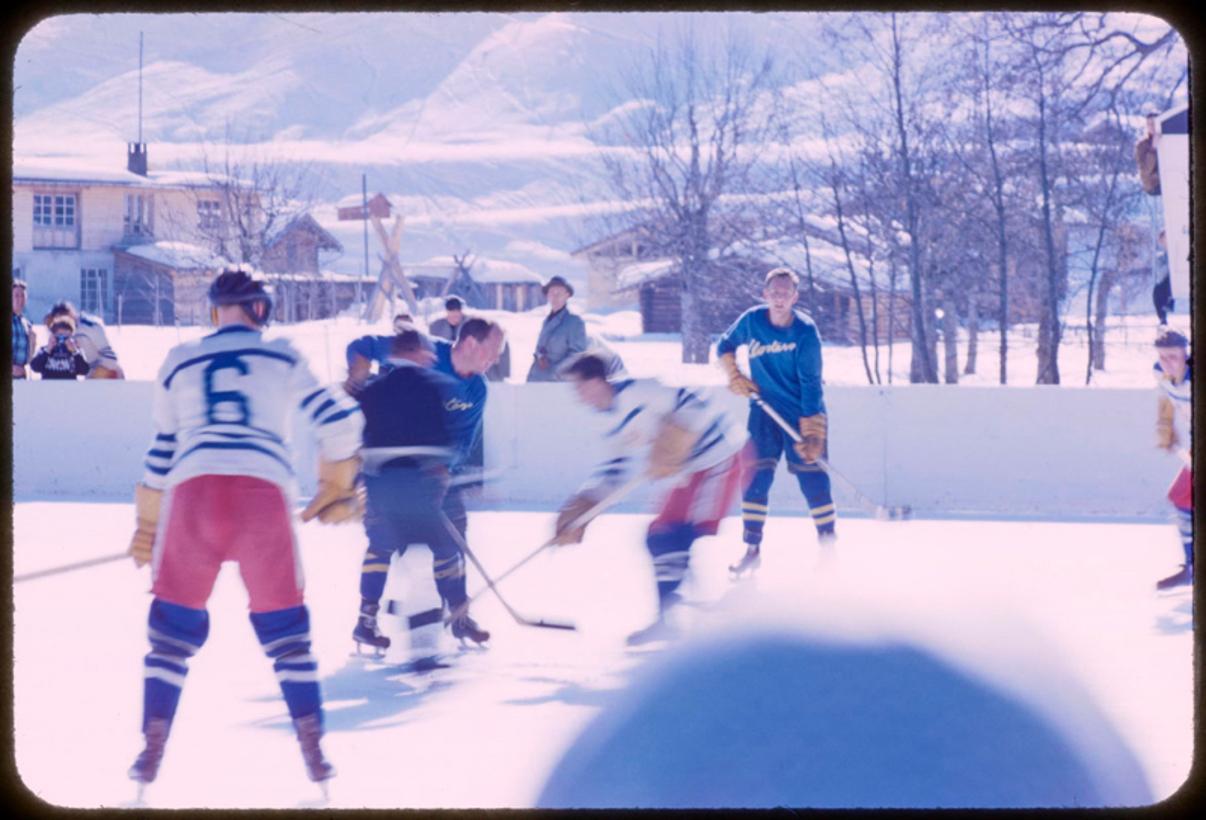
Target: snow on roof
[[638, 273], [501, 270], [51, 169], [177, 255]]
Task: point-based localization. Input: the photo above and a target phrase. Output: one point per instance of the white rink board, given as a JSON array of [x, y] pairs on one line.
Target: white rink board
[[943, 450]]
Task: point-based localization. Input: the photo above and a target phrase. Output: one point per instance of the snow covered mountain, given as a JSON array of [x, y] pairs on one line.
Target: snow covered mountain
[[477, 124]]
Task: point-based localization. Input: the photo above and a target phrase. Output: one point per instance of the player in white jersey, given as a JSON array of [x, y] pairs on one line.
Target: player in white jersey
[[219, 486], [666, 431], [1174, 428], [92, 341]]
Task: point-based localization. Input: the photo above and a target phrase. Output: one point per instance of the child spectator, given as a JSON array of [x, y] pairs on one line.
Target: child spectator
[[60, 357]]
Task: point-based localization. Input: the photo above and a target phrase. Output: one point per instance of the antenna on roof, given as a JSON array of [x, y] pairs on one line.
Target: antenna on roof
[[136, 152], [140, 86]]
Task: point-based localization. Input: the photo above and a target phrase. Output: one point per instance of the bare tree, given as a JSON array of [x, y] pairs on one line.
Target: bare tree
[[686, 154]]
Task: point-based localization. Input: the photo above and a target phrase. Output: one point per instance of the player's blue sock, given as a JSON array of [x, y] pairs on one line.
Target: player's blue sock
[[176, 633], [285, 636]]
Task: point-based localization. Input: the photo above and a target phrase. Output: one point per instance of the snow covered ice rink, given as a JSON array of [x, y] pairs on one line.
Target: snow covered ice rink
[[1060, 616]]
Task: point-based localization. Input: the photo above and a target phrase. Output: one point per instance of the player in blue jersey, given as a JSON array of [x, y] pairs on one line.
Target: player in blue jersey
[[785, 370], [463, 363], [667, 431], [362, 352], [219, 486], [1174, 430]]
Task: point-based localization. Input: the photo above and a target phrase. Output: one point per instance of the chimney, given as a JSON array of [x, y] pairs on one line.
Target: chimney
[[136, 158]]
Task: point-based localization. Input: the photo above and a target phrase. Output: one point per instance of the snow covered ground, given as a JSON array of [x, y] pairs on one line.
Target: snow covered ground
[[1058, 619], [1129, 354]]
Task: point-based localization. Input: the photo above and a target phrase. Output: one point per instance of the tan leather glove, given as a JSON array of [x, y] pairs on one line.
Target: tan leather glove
[[573, 507], [812, 433], [99, 371], [147, 502], [337, 500], [739, 383], [670, 448], [1166, 431]]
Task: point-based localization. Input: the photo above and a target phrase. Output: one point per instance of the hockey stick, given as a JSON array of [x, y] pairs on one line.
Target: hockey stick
[[463, 608], [91, 562], [609, 500], [878, 510]]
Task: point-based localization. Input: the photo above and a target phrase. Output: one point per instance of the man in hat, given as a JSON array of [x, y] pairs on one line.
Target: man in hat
[[1173, 435], [562, 335]]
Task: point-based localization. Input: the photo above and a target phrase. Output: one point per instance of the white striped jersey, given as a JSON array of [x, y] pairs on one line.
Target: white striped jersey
[[94, 344], [635, 417], [1181, 397], [223, 405]]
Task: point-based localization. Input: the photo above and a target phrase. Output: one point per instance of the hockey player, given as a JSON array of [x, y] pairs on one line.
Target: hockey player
[[676, 433], [91, 339], [476, 349], [785, 370], [218, 486], [406, 453], [1173, 420], [362, 352]]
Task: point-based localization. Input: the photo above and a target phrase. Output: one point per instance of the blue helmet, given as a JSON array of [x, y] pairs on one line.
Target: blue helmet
[[236, 286]]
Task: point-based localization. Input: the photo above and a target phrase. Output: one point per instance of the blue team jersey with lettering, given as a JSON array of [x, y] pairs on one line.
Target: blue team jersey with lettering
[[466, 403], [785, 362]]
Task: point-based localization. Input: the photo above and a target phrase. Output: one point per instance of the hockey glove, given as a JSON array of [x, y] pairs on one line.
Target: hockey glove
[[812, 435], [739, 383], [146, 508], [1166, 432], [337, 500], [99, 371], [670, 448], [570, 511]]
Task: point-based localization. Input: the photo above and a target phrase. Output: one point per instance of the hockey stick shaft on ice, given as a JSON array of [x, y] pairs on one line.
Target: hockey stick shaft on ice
[[609, 500], [492, 586], [878, 510], [91, 562]]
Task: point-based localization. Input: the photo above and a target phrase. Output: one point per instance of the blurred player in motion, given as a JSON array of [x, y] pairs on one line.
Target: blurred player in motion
[[1174, 434], [669, 432], [785, 371], [218, 486]]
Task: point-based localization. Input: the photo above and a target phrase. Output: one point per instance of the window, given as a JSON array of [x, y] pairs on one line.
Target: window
[[209, 214], [56, 219], [137, 218], [93, 289], [54, 210]]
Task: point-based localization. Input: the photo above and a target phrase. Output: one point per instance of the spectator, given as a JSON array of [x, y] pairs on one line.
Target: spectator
[[25, 339], [362, 352], [1162, 296], [501, 369], [60, 357], [450, 325], [91, 339], [1174, 429], [1146, 158], [562, 336]]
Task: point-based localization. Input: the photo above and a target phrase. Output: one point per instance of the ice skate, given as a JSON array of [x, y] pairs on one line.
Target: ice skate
[[309, 732], [749, 562], [1183, 577], [146, 767], [368, 633], [825, 542], [465, 627]]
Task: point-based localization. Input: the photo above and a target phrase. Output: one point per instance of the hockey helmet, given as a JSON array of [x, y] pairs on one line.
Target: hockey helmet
[[239, 286]]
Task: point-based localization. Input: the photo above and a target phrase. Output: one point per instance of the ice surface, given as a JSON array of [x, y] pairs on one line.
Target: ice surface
[[1058, 617]]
